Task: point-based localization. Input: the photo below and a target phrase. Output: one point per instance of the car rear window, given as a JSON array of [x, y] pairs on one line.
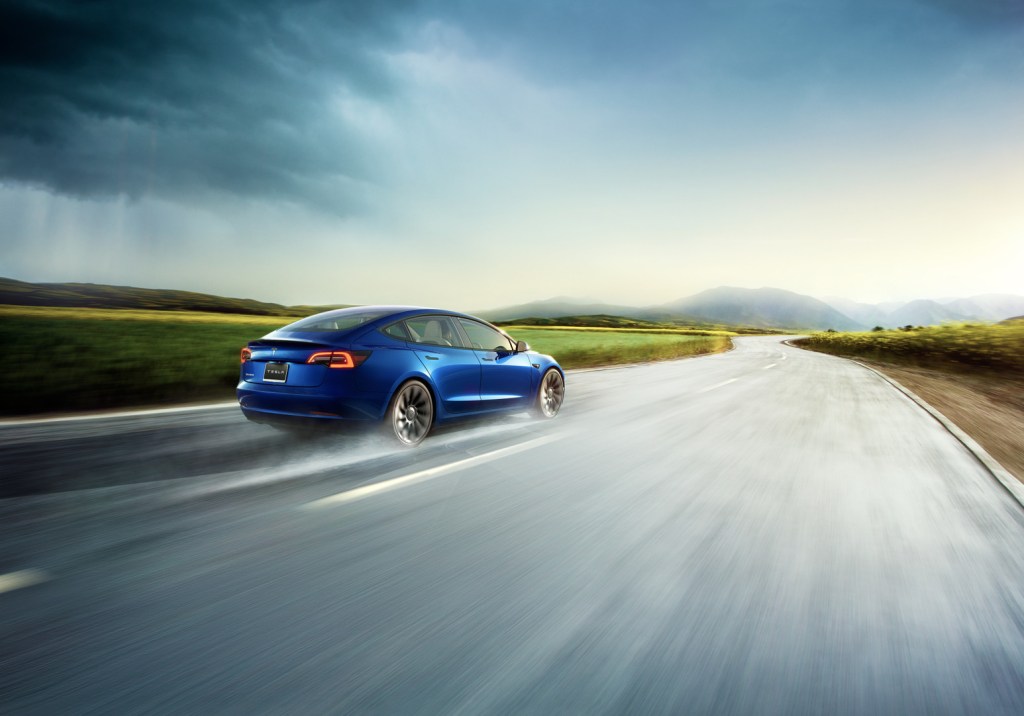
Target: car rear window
[[330, 323]]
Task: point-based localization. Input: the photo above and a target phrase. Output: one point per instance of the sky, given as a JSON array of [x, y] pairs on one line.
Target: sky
[[484, 153]]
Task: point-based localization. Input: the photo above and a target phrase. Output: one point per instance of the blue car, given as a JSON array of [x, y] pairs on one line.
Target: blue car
[[408, 367]]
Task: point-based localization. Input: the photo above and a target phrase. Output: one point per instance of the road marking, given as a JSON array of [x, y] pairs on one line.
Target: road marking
[[122, 414], [367, 490], [718, 385], [24, 578], [772, 365]]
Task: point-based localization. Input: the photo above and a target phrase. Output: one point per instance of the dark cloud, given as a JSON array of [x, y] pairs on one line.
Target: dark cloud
[[994, 14], [124, 97], [861, 44]]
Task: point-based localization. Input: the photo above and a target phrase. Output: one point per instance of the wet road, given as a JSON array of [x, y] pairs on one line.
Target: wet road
[[765, 531]]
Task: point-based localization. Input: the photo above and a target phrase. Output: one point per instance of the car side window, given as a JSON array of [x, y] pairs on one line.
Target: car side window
[[396, 330], [434, 331], [485, 338]]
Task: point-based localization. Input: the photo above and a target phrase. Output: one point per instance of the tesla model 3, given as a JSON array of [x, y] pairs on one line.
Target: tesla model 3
[[410, 368]]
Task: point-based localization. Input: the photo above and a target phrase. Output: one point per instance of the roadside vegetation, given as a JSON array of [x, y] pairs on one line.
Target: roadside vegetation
[[588, 348], [67, 359], [593, 321], [956, 347], [622, 322], [62, 359]]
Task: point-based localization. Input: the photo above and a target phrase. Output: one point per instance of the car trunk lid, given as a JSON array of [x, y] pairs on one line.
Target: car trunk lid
[[282, 361]]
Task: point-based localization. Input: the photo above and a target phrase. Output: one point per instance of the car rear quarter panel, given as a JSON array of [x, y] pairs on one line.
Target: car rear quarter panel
[[390, 364]]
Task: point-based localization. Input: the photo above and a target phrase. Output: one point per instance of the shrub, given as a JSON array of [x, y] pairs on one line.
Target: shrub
[[997, 347]]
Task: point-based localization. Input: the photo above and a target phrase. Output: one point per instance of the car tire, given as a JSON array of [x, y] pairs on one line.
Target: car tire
[[410, 415], [550, 394]]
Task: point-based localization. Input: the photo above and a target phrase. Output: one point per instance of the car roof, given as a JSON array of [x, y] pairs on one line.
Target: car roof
[[385, 315], [388, 314], [395, 312]]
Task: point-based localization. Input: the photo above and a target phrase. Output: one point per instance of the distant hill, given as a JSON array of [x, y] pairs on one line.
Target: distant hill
[[723, 307], [555, 308], [922, 313], [767, 308], [866, 314], [596, 321], [762, 307], [600, 321], [91, 295], [772, 308], [987, 307]]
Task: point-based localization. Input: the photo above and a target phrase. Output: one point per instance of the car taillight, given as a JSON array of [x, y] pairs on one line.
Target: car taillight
[[246, 354], [339, 359]]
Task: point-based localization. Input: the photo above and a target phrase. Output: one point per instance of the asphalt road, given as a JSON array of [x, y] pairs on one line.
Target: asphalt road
[[766, 531]]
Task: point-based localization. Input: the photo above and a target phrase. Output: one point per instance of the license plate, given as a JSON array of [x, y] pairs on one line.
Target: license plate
[[275, 372]]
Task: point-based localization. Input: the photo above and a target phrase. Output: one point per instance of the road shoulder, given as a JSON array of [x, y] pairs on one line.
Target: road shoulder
[[990, 411]]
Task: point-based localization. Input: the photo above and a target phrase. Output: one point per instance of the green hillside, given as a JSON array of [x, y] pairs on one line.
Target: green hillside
[[90, 295], [598, 321]]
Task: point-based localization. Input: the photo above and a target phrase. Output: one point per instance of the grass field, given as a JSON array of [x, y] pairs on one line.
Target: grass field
[[587, 348], [153, 316], [621, 323], [998, 347], [71, 359], [512, 327]]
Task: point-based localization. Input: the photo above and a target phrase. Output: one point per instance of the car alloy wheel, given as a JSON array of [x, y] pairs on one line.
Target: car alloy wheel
[[412, 413], [551, 393]]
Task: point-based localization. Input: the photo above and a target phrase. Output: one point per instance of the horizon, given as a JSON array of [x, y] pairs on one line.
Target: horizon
[[580, 300], [486, 155]]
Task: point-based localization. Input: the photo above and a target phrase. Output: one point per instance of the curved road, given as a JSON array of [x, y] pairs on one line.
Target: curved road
[[765, 531]]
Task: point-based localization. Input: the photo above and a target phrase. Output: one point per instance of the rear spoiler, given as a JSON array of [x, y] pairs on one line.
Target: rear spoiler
[[286, 343]]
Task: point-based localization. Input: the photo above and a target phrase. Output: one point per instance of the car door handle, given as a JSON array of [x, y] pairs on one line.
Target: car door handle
[[490, 359], [432, 357]]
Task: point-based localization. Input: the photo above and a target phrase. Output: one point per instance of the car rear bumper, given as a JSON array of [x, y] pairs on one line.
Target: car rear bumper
[[267, 403]]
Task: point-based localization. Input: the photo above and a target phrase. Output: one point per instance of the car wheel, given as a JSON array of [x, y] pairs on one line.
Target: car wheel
[[550, 394], [411, 413]]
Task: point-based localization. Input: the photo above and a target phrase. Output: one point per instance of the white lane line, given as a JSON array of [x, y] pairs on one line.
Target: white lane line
[[772, 365], [24, 578], [367, 490], [122, 414], [718, 385]]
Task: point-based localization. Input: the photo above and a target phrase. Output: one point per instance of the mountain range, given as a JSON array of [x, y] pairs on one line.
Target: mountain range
[[722, 306], [778, 308]]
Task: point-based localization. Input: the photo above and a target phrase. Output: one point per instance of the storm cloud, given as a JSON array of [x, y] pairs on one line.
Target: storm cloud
[[267, 99], [429, 151], [176, 99]]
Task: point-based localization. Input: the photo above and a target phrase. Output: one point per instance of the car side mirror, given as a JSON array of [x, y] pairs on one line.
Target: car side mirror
[[522, 346]]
